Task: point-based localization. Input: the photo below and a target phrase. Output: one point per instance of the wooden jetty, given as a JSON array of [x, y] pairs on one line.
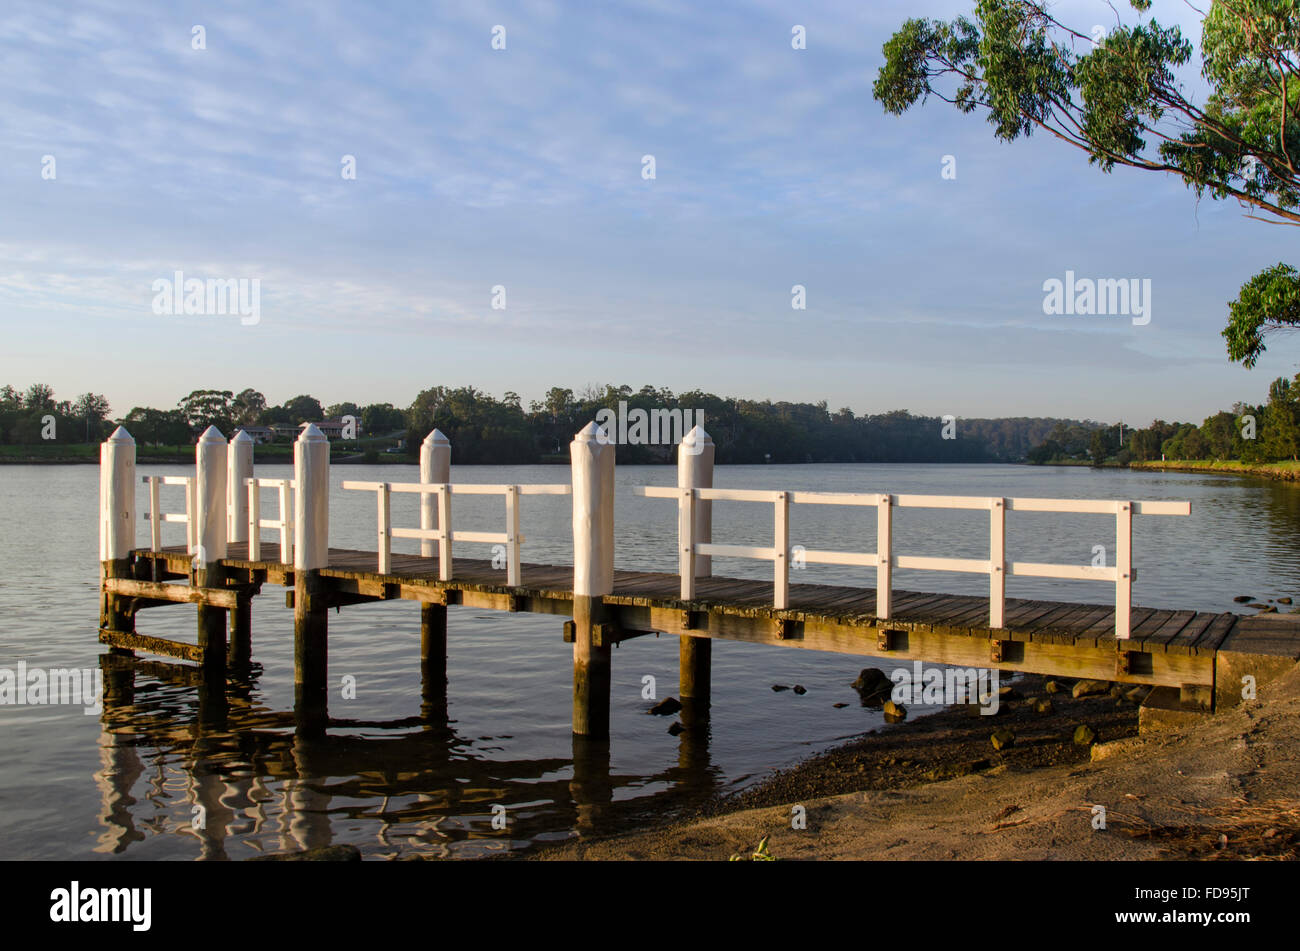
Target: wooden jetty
[[1199, 660]]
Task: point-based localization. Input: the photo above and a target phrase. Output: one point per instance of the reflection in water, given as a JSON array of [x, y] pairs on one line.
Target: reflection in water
[[241, 778]]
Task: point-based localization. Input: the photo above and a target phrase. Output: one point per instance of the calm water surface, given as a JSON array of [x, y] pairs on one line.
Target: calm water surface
[[395, 779]]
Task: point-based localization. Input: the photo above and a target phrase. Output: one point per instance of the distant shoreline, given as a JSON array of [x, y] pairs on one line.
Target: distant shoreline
[[1276, 471]]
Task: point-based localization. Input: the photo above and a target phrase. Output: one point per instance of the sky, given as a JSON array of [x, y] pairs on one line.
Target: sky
[[516, 176]]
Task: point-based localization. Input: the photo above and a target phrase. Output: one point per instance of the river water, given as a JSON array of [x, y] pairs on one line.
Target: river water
[[180, 772]]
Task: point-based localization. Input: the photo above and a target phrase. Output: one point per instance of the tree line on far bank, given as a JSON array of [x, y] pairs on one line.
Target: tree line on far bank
[[485, 429], [1247, 433]]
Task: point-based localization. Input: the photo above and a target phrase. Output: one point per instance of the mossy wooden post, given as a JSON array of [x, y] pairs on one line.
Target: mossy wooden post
[[210, 525], [116, 525], [435, 469], [311, 473], [592, 457], [695, 654], [237, 531]]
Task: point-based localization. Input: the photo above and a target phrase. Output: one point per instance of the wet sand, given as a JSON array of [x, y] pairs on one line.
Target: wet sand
[[934, 787]]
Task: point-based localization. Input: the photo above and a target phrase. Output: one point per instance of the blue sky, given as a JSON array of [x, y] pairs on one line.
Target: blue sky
[[522, 167]]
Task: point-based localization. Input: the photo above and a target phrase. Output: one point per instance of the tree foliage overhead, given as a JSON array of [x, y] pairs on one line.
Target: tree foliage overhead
[[1120, 101]]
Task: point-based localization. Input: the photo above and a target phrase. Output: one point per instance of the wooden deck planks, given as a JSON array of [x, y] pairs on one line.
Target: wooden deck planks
[[1181, 632]]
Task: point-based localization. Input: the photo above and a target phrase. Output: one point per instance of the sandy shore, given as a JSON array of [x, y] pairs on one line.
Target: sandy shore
[[935, 788]]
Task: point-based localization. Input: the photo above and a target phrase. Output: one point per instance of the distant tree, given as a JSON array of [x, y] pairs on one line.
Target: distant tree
[[1120, 102], [303, 409], [204, 408], [248, 407], [39, 396]]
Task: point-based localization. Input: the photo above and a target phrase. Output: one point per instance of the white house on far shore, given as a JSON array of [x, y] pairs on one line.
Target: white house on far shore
[[333, 428]]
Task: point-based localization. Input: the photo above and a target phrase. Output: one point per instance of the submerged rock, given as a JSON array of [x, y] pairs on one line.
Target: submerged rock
[[666, 707], [1243, 598], [676, 728], [800, 689], [873, 684], [894, 712]]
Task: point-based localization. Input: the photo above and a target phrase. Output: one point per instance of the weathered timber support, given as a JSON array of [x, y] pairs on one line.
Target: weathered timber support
[[311, 462], [433, 661], [211, 468], [695, 654], [695, 663], [116, 525], [592, 458]]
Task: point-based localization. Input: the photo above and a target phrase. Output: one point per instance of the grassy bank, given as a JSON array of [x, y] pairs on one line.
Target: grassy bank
[[1288, 471]]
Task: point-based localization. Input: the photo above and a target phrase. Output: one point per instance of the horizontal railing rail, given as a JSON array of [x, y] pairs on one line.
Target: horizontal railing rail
[[444, 534], [884, 559], [283, 523]]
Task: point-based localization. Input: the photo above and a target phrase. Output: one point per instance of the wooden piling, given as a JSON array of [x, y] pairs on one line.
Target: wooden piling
[[433, 659], [695, 457], [311, 461], [695, 663], [211, 470], [592, 459], [591, 671], [116, 525]]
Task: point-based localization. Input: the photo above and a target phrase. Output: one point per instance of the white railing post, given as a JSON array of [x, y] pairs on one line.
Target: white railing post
[[435, 469], [444, 526], [592, 460], [117, 496], [687, 559], [241, 468], [997, 562], [287, 508], [210, 518], [512, 535], [155, 517], [884, 555], [781, 600], [255, 521], [191, 521], [695, 471], [311, 505], [384, 495], [1123, 568]]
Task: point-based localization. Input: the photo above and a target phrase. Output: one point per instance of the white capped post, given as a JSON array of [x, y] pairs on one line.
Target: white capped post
[[116, 496], [210, 470], [1123, 569], [997, 562], [884, 555], [311, 503], [592, 458], [435, 469], [241, 468], [695, 471]]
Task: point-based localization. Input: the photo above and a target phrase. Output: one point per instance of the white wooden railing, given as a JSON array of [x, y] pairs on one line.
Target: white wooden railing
[[156, 516], [885, 558], [444, 534], [283, 524]]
